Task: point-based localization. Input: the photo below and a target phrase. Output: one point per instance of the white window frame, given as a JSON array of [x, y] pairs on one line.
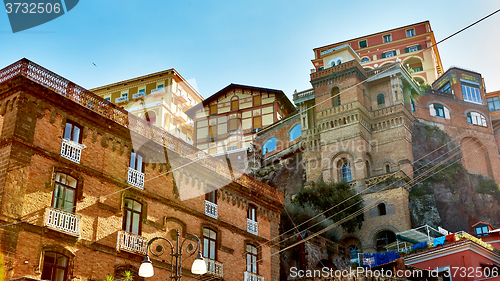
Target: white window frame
[[477, 119], [412, 31], [471, 94], [412, 49], [387, 38]]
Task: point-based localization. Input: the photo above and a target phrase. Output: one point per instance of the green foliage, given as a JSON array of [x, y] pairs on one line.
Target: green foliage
[[447, 175], [127, 276], [421, 190], [109, 278], [425, 87], [488, 186], [324, 196]]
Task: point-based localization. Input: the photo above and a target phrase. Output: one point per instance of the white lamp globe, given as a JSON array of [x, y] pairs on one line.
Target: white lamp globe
[[199, 266], [146, 269]]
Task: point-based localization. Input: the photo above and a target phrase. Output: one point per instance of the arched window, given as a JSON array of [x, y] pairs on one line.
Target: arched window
[[380, 99], [339, 62], [476, 119], [252, 258], [269, 146], [209, 243], [252, 213], [344, 170], [64, 193], [439, 110], [381, 209], [235, 104], [363, 60], [332, 64], [354, 253], [335, 97], [368, 169], [132, 216], [387, 168], [295, 132], [55, 267], [383, 239]]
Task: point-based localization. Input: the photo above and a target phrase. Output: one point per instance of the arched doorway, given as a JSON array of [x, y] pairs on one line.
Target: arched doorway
[[383, 239]]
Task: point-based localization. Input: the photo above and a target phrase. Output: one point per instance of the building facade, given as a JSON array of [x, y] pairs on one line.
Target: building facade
[[160, 98], [493, 100], [80, 200]]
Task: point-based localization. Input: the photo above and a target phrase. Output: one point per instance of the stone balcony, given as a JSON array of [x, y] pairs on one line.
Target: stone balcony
[[303, 96], [62, 221]]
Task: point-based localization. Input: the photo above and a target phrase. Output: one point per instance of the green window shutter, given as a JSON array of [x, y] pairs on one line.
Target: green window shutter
[[407, 50], [419, 47], [383, 55], [394, 52]]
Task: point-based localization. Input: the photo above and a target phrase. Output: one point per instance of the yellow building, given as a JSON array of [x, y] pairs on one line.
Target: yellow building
[[160, 98]]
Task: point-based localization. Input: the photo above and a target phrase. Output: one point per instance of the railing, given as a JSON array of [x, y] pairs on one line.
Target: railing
[[182, 115], [157, 91], [377, 179], [337, 68], [248, 276], [71, 91], [135, 178], [121, 99], [210, 209], [71, 150], [62, 221], [375, 71], [252, 227], [303, 94], [214, 268], [131, 243], [139, 95], [418, 69]]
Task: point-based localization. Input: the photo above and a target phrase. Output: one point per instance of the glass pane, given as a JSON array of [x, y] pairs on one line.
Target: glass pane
[[213, 235], [137, 206], [61, 260], [60, 178], [70, 181], [139, 163], [49, 257], [206, 232], [485, 229], [59, 276], [127, 220], [205, 248], [212, 250], [478, 230], [132, 160], [76, 134], [67, 131], [70, 195], [249, 262], [135, 223]]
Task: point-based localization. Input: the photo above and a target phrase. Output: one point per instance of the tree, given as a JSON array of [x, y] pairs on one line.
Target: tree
[[325, 195]]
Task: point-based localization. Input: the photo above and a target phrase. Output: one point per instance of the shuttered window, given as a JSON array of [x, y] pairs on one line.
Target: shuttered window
[[213, 109], [234, 124], [257, 122], [234, 105], [256, 100]]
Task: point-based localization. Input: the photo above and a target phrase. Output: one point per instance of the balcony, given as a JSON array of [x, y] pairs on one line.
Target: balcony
[[248, 276], [62, 221], [122, 99], [252, 227], [139, 95], [418, 69], [181, 96], [158, 91], [182, 116], [131, 243], [210, 209], [303, 96], [214, 268], [71, 150], [135, 178]]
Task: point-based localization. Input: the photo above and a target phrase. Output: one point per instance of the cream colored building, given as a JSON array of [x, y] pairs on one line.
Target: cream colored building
[[160, 98]]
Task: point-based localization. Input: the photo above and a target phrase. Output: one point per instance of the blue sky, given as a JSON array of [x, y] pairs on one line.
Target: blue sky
[[261, 43]]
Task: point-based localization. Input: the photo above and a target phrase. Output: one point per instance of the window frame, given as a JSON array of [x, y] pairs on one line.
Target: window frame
[[72, 131], [235, 104], [412, 32], [269, 141], [365, 44], [365, 60], [446, 88], [252, 212], [238, 122], [387, 38], [344, 168], [65, 187], [492, 103], [253, 122], [260, 100], [135, 156], [292, 130], [212, 109], [211, 197], [382, 209], [467, 92], [253, 257], [54, 266], [476, 118], [212, 132], [438, 108], [131, 218], [380, 99], [210, 240]]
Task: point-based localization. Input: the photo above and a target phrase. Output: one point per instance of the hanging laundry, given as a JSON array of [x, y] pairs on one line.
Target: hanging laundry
[[439, 241]]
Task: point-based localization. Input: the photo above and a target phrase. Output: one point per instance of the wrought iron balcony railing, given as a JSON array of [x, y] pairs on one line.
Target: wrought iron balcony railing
[[135, 178], [210, 209], [121, 99], [252, 227], [131, 243], [62, 221], [139, 95], [71, 150]]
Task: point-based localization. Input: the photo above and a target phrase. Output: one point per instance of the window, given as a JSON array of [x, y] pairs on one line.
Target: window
[[476, 119], [257, 122], [368, 169], [252, 258], [363, 60], [124, 95], [269, 146], [252, 213], [160, 86], [108, 99], [387, 38], [234, 124], [471, 93], [387, 168], [362, 44], [344, 170], [332, 64], [209, 243], [295, 132], [234, 105], [482, 229], [380, 99], [413, 106], [446, 88], [64, 193], [493, 104], [142, 91], [213, 109], [413, 48], [410, 32], [211, 196], [335, 97], [439, 110], [381, 209], [256, 100], [388, 54], [132, 216], [73, 132], [55, 267], [213, 132], [136, 162]]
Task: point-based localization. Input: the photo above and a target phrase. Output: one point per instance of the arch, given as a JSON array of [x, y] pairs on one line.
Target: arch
[[439, 109], [475, 157], [386, 63], [476, 118], [57, 249], [380, 99], [419, 79], [365, 59], [366, 68], [269, 145], [383, 238], [178, 221], [234, 103], [335, 93], [410, 59], [379, 229]]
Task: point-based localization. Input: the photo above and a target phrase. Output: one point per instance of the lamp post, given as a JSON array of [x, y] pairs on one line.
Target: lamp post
[[198, 267]]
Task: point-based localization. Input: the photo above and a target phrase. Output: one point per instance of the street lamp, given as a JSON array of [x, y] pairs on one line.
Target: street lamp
[[198, 267]]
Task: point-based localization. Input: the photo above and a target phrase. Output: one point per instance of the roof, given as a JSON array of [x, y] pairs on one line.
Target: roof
[[279, 94], [482, 222]]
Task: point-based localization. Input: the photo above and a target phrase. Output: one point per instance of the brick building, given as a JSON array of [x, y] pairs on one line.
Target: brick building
[[493, 100], [160, 98], [79, 199]]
